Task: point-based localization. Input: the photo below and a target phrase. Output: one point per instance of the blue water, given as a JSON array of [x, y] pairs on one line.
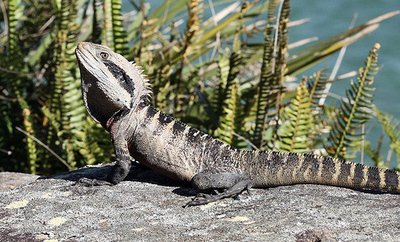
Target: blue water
[[329, 17]]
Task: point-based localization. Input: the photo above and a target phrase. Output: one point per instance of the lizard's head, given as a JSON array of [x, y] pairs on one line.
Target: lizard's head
[[110, 83]]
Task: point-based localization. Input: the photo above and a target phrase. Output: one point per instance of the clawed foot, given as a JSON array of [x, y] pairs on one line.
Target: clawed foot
[[92, 182], [203, 198]]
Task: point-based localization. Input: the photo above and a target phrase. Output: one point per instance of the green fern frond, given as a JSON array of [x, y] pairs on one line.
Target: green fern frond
[[114, 34], [92, 143], [134, 28], [281, 48], [273, 70], [14, 9], [66, 112], [317, 87], [227, 100], [265, 87], [14, 56], [345, 135], [119, 35], [64, 61], [297, 122], [223, 72], [230, 111]]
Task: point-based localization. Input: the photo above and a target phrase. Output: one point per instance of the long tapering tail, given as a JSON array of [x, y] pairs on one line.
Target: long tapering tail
[[276, 168]]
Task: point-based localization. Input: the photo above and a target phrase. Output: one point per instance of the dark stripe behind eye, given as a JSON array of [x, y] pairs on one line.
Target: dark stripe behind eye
[[120, 74]]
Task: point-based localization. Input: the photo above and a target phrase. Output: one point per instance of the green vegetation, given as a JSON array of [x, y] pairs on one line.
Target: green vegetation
[[204, 71]]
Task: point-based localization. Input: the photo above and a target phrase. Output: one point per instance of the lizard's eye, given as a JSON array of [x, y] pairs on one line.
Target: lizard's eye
[[104, 55]]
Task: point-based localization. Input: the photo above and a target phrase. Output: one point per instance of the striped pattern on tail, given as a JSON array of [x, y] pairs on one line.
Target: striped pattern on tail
[[276, 168]]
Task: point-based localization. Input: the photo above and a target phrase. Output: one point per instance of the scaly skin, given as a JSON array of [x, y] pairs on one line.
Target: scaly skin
[[116, 95]]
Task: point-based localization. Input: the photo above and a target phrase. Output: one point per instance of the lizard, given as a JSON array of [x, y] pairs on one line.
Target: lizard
[[117, 95]]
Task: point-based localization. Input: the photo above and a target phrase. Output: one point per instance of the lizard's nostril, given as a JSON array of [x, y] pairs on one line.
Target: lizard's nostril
[[82, 45]]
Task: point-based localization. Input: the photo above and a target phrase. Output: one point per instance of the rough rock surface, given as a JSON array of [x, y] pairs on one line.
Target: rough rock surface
[[148, 207], [10, 180]]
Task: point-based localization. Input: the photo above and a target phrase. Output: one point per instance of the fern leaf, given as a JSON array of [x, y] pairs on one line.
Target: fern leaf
[[273, 71], [345, 135], [228, 119], [228, 95], [66, 112], [119, 35], [297, 122], [281, 52], [65, 82], [15, 64], [223, 68], [114, 34], [264, 88], [228, 99], [317, 86]]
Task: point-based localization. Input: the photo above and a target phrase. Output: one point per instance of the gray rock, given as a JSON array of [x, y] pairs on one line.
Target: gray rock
[[148, 207], [10, 180]]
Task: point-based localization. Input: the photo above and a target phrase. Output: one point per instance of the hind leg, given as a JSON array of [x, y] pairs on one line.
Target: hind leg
[[233, 184]]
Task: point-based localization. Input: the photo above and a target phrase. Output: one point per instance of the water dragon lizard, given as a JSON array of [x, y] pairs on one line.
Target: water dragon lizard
[[116, 94]]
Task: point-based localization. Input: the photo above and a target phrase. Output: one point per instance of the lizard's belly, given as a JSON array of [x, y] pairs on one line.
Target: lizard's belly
[[167, 159]]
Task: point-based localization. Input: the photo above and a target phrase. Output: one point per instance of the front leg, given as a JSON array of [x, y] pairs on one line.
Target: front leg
[[122, 157]]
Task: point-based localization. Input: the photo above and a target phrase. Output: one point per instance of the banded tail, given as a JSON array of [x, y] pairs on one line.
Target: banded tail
[[297, 168]]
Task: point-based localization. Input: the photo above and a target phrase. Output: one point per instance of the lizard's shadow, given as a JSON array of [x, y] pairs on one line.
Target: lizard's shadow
[[137, 173]]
